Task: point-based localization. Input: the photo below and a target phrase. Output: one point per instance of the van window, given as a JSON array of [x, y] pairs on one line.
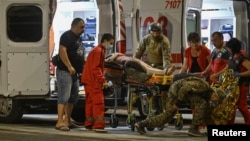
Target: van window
[[24, 23], [192, 21]]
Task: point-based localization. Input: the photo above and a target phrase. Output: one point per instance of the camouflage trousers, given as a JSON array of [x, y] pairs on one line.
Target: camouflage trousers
[[200, 114]]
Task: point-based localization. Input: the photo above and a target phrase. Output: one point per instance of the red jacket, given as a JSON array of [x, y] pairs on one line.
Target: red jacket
[[94, 67], [202, 58]]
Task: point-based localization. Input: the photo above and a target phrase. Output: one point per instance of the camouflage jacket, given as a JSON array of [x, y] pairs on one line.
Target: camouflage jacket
[[180, 89], [158, 53]]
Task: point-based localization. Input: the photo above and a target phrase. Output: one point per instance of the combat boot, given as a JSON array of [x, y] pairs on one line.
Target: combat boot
[[140, 128], [194, 131]]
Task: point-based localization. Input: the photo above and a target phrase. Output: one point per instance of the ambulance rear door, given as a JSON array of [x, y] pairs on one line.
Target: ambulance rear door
[[177, 17], [24, 48]]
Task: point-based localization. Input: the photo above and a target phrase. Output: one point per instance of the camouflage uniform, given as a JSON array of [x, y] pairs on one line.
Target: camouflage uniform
[[158, 52], [192, 90]]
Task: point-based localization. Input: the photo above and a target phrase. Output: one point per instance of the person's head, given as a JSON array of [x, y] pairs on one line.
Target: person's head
[[234, 45], [155, 30], [217, 39], [107, 40], [77, 26], [194, 39], [217, 94]]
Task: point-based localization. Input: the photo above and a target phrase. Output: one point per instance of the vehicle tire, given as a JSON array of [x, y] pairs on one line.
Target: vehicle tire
[[10, 110], [78, 115], [150, 129]]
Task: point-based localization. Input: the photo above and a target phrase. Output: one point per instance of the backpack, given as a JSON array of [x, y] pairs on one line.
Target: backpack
[[55, 60], [234, 64]]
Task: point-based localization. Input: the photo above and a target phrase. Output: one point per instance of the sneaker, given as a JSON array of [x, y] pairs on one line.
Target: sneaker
[[194, 132], [140, 129]]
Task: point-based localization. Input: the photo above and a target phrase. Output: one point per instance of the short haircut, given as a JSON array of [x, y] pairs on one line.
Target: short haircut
[[76, 21], [107, 36], [219, 34], [194, 37]]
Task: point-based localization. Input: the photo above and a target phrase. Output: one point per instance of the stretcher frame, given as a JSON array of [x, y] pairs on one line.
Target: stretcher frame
[[151, 91]]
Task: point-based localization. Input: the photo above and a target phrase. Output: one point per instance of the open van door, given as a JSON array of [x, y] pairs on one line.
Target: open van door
[[177, 18], [23, 53]]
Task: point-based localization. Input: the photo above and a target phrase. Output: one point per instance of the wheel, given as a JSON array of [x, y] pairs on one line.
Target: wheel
[[78, 115], [178, 124], [113, 122], [160, 128], [150, 128], [142, 106], [10, 110]]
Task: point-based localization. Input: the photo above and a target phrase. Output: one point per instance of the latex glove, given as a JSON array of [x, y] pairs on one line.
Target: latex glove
[[236, 74]]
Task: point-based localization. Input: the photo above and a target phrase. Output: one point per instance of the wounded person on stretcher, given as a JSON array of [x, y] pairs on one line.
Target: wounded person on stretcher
[[124, 60]]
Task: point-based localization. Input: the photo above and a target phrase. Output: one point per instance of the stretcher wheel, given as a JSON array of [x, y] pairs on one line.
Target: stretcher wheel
[[142, 106], [150, 128], [178, 124], [113, 122], [160, 128]]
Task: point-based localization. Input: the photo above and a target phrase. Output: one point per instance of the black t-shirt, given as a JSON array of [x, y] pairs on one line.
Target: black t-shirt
[[195, 66], [75, 51]]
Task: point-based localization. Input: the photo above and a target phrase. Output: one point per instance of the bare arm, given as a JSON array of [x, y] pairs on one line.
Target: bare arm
[[207, 70], [184, 66], [246, 64], [65, 59], [113, 56], [216, 75]]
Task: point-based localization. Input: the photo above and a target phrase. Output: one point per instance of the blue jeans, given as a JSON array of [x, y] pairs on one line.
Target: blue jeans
[[68, 87]]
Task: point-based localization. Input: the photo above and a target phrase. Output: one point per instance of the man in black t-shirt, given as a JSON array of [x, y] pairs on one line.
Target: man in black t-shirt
[[71, 53]]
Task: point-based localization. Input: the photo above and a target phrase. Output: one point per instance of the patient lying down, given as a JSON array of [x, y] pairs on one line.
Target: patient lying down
[[122, 59]]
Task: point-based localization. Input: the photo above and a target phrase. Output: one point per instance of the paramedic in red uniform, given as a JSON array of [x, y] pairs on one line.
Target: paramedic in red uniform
[[241, 66], [94, 81], [219, 58]]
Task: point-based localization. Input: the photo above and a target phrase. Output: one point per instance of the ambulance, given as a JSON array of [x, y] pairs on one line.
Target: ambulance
[[30, 32]]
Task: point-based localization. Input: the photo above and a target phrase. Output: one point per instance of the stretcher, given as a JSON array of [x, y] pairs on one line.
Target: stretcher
[[151, 95], [147, 91]]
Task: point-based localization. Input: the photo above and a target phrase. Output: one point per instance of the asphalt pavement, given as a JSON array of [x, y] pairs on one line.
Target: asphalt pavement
[[41, 127]]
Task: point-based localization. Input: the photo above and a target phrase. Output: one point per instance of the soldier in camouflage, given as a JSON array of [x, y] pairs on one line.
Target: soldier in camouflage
[[157, 47], [191, 90]]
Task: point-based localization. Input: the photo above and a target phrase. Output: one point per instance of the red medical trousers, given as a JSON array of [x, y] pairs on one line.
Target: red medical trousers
[[242, 105], [94, 107]]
